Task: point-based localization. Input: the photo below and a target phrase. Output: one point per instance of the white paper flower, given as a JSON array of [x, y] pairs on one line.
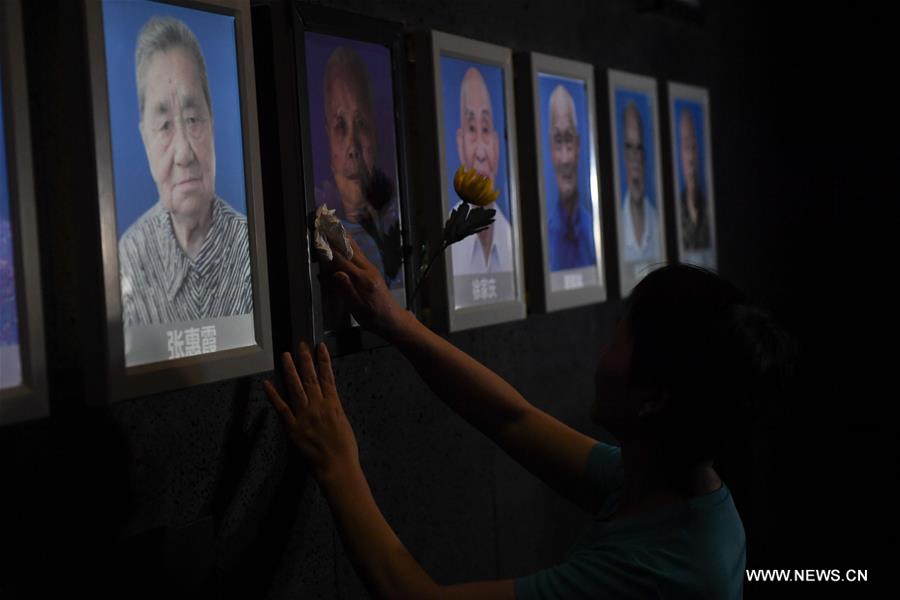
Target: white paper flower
[[330, 235]]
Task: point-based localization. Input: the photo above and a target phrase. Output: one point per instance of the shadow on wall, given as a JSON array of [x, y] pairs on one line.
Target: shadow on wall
[[74, 514], [64, 498]]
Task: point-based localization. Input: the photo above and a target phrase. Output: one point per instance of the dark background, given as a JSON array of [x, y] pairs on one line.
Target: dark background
[[197, 491]]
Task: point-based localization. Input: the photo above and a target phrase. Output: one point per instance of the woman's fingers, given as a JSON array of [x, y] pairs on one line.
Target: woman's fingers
[[292, 381], [339, 263], [308, 374], [326, 375], [359, 257], [342, 281]]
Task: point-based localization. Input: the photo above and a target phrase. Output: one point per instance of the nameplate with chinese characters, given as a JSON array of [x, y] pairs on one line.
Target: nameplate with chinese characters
[[170, 341], [487, 288], [573, 279]]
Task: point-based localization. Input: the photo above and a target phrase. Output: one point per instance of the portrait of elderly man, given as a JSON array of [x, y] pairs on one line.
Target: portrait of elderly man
[[363, 196], [691, 199], [488, 251], [639, 220], [187, 257], [569, 222]]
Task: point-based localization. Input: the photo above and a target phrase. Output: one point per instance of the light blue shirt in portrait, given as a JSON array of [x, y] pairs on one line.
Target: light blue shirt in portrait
[[571, 244], [646, 248]]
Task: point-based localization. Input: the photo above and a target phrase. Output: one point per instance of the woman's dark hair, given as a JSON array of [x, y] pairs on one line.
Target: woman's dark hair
[[709, 353]]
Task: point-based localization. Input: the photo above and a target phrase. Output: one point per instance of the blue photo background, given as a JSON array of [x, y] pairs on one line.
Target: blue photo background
[[696, 111], [452, 72], [134, 186], [377, 60], [578, 91], [644, 104], [9, 321]]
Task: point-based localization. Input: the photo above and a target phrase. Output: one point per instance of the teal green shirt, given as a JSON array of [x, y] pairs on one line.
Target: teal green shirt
[[692, 550]]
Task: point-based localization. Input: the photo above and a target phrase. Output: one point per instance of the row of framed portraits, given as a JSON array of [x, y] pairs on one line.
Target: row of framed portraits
[[218, 133]]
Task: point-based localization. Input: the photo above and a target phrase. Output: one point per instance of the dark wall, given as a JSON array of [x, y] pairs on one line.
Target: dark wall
[[198, 490]]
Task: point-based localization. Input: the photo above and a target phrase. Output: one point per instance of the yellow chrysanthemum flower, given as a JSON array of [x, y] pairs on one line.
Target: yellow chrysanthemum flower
[[474, 188]]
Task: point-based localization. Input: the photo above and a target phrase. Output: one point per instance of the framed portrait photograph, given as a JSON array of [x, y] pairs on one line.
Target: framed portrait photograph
[[637, 173], [474, 125], [350, 72], [566, 268], [23, 386], [692, 169], [182, 222]]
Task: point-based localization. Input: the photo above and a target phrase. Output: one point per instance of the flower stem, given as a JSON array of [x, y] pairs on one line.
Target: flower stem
[[421, 280]]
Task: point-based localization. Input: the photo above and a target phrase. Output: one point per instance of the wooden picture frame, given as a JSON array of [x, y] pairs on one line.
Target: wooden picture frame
[[695, 229], [566, 269], [26, 395], [469, 287], [368, 56], [641, 244], [252, 350]]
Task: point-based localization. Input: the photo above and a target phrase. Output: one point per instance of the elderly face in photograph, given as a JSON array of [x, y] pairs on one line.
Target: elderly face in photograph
[[688, 143], [695, 229], [564, 142], [476, 138], [186, 258], [634, 152], [177, 129], [350, 125]]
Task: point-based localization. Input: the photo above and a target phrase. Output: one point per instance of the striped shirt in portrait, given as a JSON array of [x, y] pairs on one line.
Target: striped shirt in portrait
[[162, 284]]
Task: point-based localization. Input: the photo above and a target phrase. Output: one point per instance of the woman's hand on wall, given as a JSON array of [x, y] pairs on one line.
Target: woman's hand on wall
[[315, 417]]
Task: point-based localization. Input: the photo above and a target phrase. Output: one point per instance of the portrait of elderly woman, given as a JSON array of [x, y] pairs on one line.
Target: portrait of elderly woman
[[187, 257], [354, 154]]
